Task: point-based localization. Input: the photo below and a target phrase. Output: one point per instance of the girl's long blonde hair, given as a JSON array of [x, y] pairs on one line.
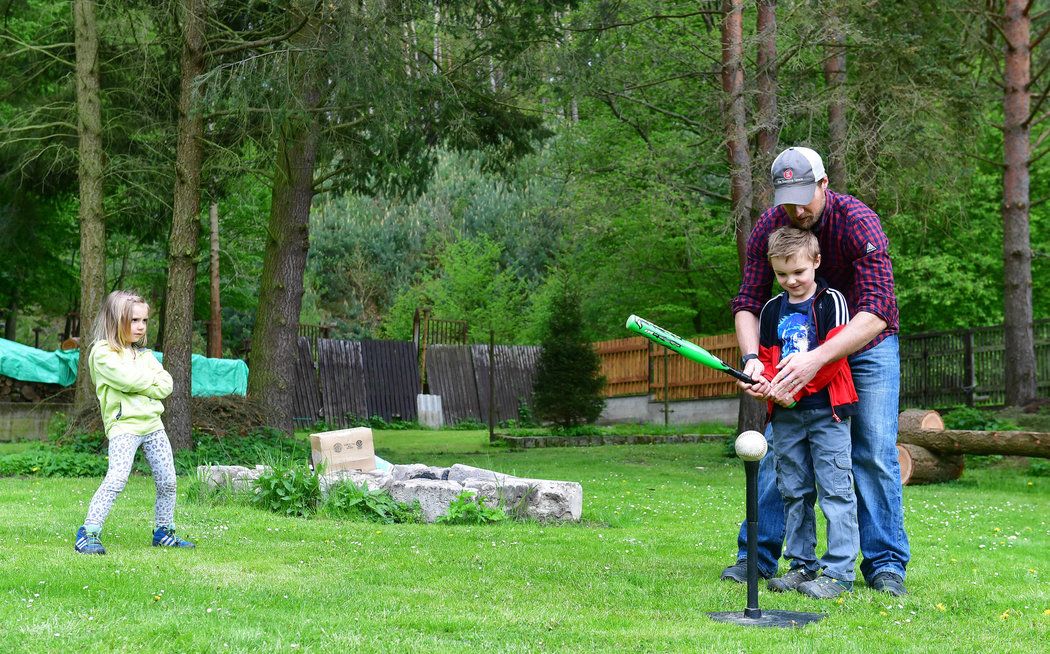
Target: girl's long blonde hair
[[113, 323]]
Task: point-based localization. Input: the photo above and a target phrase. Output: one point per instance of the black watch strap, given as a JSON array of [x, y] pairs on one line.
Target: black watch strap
[[747, 357]]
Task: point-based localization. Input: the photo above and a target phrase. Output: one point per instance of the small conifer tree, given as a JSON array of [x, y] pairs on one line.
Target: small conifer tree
[[568, 383]]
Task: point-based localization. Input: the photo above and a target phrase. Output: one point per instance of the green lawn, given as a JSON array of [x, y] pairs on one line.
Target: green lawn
[[639, 575]]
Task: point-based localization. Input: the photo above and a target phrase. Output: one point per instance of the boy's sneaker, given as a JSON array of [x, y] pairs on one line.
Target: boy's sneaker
[[825, 587], [738, 572], [165, 537], [792, 579], [890, 583], [87, 543]]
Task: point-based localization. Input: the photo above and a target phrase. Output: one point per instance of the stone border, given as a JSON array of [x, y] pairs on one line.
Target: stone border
[[530, 442]]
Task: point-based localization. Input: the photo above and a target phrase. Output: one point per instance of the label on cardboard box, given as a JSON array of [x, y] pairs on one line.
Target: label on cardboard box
[[344, 449]]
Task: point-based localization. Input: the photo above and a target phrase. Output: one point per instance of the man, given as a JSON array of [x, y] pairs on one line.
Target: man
[[855, 261]]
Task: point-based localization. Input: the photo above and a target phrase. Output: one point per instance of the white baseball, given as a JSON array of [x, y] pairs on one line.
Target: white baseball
[[750, 445]]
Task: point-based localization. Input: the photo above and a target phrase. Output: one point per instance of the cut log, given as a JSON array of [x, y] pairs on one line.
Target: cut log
[[921, 466], [920, 420], [956, 441]]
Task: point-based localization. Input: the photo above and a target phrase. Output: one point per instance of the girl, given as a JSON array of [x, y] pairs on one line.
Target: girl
[[130, 383]]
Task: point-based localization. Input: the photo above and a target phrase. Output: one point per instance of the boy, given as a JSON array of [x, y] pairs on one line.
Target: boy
[[811, 439]]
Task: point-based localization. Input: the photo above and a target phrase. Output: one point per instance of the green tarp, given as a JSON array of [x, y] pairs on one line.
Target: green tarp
[[209, 376]]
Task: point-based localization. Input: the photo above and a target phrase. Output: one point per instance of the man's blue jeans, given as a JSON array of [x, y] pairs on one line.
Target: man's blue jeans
[[876, 472]]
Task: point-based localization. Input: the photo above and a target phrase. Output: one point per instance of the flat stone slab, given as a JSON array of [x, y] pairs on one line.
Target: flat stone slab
[[239, 478], [434, 495]]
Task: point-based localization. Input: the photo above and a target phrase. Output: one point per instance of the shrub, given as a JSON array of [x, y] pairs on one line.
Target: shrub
[[293, 490], [261, 444], [970, 418], [350, 501], [468, 509], [568, 381], [52, 462]]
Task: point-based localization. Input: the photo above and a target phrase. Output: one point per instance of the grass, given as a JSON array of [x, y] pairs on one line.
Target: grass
[[638, 575]]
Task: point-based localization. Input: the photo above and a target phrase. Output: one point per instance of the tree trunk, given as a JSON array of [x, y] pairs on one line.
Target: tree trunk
[[751, 413], [921, 466], [271, 364], [215, 324], [185, 227], [835, 78], [1017, 249], [956, 441], [919, 420], [11, 322], [765, 106], [90, 172]]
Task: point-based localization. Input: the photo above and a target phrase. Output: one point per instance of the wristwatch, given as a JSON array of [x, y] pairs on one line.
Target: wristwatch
[[747, 357]]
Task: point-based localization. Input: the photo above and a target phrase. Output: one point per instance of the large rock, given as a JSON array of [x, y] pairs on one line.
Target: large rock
[[463, 474], [372, 479], [434, 495], [239, 478], [540, 499], [417, 471]]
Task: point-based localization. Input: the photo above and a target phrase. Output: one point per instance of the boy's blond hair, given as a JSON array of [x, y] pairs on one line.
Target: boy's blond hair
[[113, 323], [789, 241]]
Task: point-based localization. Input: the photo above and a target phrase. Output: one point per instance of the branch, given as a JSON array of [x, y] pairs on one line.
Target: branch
[[262, 43], [1038, 156], [1035, 78], [1039, 39], [602, 28], [997, 164], [652, 107], [1035, 109], [42, 49]]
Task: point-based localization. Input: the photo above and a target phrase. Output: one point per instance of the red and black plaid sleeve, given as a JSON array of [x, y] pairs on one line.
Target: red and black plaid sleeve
[[873, 270], [757, 280]]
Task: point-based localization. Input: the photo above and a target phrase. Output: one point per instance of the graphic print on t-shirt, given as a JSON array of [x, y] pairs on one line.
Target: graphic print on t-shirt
[[795, 329]]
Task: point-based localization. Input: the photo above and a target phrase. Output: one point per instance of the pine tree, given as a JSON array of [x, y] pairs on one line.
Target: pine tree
[[568, 383]]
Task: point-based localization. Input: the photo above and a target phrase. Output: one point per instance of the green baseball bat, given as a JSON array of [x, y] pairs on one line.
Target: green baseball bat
[[688, 349]]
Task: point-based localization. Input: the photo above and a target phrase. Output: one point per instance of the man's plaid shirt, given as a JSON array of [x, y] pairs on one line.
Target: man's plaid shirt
[[854, 259]]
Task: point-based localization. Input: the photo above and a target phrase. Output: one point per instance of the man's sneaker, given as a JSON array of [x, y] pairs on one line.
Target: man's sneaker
[[890, 583], [165, 537], [825, 587], [791, 579], [87, 543], [738, 572]]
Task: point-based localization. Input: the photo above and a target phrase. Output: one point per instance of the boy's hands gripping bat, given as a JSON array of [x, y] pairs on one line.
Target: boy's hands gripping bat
[[689, 350]]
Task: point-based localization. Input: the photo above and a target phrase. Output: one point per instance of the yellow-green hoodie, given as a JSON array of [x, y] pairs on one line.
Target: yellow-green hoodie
[[130, 385]]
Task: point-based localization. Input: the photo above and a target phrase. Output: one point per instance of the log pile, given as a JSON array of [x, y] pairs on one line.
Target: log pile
[[13, 390], [929, 453]]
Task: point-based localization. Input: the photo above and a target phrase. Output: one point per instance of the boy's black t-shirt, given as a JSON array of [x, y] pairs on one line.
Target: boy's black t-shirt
[[797, 333]]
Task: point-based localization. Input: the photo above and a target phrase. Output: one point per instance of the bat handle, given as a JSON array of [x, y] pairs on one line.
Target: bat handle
[[739, 375]]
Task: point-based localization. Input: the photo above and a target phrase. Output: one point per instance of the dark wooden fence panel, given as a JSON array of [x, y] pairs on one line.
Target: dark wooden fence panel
[[391, 380], [515, 374], [306, 407], [343, 389], [450, 374]]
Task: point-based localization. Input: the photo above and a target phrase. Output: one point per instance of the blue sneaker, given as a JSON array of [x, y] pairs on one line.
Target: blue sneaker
[[165, 537], [88, 543]]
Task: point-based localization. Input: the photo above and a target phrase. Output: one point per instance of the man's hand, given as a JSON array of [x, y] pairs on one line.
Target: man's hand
[[796, 370], [754, 369]]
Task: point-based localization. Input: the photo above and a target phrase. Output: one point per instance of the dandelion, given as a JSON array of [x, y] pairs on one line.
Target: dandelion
[[156, 598], [940, 607], [883, 613], [1005, 614]]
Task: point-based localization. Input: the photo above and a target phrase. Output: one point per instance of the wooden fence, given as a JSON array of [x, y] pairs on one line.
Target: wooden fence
[[634, 366], [965, 366], [379, 378]]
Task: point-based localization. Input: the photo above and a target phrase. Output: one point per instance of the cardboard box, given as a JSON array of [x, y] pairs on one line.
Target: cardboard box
[[345, 449]]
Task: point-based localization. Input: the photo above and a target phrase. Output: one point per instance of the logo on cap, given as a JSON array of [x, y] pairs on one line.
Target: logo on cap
[[788, 173]]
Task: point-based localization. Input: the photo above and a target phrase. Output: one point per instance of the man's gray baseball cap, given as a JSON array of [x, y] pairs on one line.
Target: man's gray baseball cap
[[796, 172]]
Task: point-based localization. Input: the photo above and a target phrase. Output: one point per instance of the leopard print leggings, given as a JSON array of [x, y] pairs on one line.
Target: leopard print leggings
[[122, 448]]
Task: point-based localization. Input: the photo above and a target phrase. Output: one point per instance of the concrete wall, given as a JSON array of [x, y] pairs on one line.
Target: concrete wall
[[639, 409], [27, 421]]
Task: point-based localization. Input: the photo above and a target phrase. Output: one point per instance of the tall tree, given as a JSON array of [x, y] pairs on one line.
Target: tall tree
[[835, 80], [734, 116], [92, 218], [1019, 359], [185, 228]]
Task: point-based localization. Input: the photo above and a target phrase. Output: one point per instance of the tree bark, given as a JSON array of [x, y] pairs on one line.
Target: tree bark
[[185, 228], [751, 414], [1019, 359], [90, 173], [11, 321], [835, 78], [215, 324], [956, 441], [765, 106], [919, 420], [921, 466]]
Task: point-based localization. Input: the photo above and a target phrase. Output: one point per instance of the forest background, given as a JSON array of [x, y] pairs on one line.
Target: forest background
[[479, 157]]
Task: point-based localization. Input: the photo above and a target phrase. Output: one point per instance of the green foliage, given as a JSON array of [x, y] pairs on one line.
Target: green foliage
[[264, 444], [43, 461], [469, 509], [568, 385], [469, 424], [349, 501], [971, 418], [292, 490]]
